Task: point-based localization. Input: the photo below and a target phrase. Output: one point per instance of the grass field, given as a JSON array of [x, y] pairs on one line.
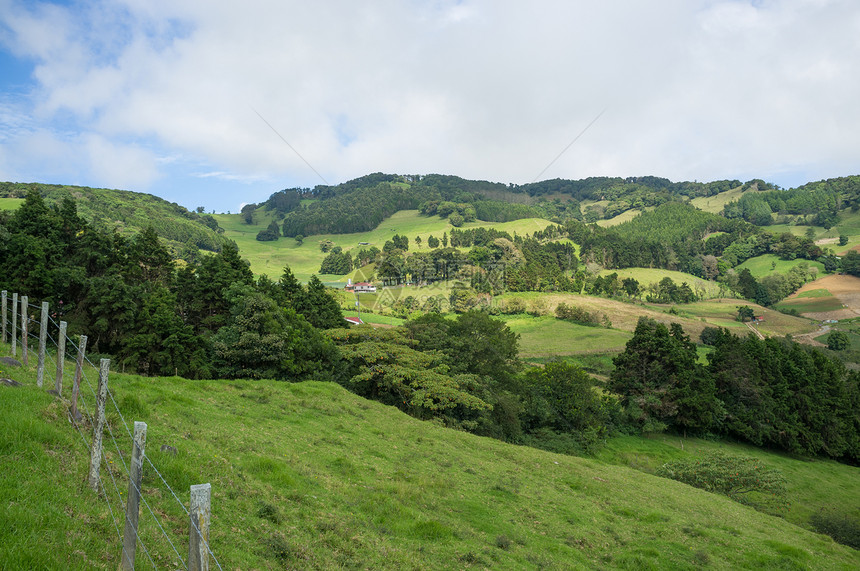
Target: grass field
[[716, 203], [542, 338], [10, 203], [693, 317], [767, 264], [309, 476], [646, 276], [305, 259], [625, 216]]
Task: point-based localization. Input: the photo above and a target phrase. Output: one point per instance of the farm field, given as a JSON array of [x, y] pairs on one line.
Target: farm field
[[305, 259], [830, 297], [693, 317], [767, 264], [307, 475]]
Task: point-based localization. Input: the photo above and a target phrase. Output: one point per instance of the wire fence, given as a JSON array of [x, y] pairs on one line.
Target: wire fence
[[41, 344]]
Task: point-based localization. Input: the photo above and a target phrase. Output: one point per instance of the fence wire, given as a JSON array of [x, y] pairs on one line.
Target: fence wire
[[13, 330]]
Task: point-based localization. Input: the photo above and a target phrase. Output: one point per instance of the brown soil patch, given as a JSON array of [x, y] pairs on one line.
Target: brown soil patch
[[845, 288]]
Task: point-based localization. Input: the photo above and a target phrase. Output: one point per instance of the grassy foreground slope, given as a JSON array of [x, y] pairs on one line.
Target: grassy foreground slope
[[310, 476]]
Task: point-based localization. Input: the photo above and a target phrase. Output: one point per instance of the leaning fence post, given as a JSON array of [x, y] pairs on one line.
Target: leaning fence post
[[3, 295], [24, 333], [132, 508], [79, 369], [200, 514], [61, 357], [14, 324], [43, 340], [96, 453]]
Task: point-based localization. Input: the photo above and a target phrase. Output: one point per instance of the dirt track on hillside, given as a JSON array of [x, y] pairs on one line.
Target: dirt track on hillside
[[845, 288]]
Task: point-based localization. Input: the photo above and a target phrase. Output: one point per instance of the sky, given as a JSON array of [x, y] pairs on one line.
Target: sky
[[216, 104]]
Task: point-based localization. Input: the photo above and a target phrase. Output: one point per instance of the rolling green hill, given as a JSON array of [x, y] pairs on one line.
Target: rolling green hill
[[127, 212], [305, 259], [309, 476]]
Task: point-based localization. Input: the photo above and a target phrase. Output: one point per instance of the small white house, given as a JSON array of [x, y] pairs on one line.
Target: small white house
[[364, 287]]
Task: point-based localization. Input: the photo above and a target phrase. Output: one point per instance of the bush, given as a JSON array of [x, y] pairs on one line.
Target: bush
[[577, 314], [743, 479], [838, 341], [842, 528]]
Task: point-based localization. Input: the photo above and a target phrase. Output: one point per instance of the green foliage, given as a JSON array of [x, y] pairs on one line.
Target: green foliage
[[262, 340], [660, 382], [742, 479], [745, 313], [337, 263], [843, 528], [358, 210], [563, 398], [129, 213], [838, 341], [576, 314], [270, 234]]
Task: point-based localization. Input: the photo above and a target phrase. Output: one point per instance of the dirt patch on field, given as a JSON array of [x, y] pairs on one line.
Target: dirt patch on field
[[845, 288]]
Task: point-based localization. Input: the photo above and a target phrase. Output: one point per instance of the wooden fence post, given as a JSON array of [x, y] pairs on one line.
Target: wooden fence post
[[76, 384], [200, 514], [61, 358], [132, 508], [14, 324], [43, 340], [24, 334], [96, 453], [3, 295]]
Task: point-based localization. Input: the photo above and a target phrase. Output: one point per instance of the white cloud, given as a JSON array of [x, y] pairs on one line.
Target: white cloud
[[487, 89]]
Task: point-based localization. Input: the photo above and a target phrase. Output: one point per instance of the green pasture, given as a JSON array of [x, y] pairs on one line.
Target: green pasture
[[716, 203], [305, 259], [645, 276], [625, 216], [546, 337], [767, 264], [309, 476], [10, 203]]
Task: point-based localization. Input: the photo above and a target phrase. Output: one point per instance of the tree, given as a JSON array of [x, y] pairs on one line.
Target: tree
[[318, 307], [838, 341], [564, 398], [262, 340], [326, 246], [660, 382], [299, 239], [843, 239], [432, 241], [418, 241], [745, 313]]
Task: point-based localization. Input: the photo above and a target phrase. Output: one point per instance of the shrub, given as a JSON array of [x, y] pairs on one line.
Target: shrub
[[838, 341], [743, 479], [842, 528]]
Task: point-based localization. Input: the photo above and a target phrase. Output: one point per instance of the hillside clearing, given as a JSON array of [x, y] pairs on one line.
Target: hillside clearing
[[843, 301]]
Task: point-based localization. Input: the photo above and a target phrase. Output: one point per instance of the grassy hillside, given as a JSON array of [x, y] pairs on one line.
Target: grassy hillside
[[693, 317], [309, 476], [304, 260], [128, 212], [767, 264], [646, 276], [715, 204]]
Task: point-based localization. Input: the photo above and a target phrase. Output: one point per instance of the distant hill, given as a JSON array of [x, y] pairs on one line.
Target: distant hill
[[129, 212]]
